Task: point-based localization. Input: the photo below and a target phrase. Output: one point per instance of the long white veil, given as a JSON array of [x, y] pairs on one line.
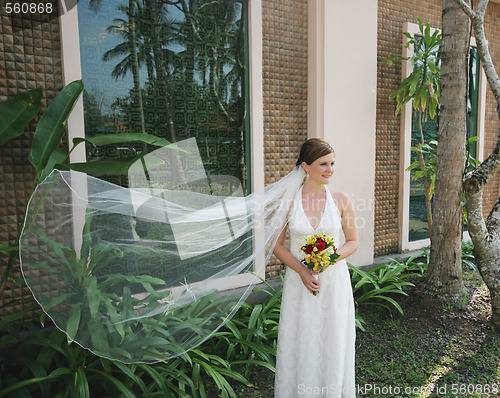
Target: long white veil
[[145, 273]]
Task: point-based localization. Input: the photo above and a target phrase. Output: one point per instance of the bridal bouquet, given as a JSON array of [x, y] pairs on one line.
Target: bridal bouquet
[[320, 252]]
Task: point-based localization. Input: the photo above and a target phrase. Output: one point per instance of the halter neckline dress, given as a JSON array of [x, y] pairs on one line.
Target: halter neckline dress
[[316, 336]]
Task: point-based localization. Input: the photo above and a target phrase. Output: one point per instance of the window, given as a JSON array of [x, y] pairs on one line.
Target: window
[[189, 70], [414, 230], [173, 70]]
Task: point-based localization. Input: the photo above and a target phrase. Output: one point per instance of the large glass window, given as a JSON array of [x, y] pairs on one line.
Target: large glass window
[[418, 227], [173, 69]]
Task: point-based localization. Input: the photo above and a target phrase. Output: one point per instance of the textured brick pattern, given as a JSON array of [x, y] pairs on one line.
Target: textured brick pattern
[[391, 16], [492, 126], [285, 89], [30, 58]]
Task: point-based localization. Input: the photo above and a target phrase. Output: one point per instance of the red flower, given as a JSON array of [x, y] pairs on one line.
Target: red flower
[[308, 249], [320, 244]]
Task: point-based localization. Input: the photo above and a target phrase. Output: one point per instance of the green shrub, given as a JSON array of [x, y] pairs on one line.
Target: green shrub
[[378, 285]]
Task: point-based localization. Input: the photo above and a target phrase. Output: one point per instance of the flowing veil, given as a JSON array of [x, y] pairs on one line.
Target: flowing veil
[[146, 273]]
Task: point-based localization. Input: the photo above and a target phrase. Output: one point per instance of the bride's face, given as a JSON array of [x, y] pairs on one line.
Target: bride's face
[[321, 170]]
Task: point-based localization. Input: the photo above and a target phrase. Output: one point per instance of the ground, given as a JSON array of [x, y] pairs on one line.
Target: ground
[[435, 349]]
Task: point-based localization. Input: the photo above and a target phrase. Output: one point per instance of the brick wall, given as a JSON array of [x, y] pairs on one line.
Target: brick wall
[[30, 57], [391, 16], [492, 125], [285, 89]]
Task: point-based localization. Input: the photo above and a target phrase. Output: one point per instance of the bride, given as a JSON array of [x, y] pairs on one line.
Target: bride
[[315, 354]]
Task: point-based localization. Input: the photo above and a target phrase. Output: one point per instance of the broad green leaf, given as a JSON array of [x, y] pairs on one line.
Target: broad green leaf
[[8, 250], [408, 35], [119, 278], [86, 235], [12, 317], [98, 168], [16, 112], [58, 156], [82, 384], [93, 295], [423, 100], [24, 383], [427, 35], [255, 362], [73, 322], [126, 391], [157, 377], [52, 126], [99, 337], [252, 322], [108, 139], [56, 300], [432, 66], [126, 370], [432, 108]]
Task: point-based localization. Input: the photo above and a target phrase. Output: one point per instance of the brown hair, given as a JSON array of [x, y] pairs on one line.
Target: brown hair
[[313, 149]]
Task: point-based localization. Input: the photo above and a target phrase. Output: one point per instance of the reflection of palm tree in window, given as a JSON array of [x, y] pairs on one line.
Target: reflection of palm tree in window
[[217, 51], [134, 53], [216, 57], [190, 55]]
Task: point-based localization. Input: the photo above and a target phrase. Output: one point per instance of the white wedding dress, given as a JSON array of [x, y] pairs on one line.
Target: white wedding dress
[[315, 355]]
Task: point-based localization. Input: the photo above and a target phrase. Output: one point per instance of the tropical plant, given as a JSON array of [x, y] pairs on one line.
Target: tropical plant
[[468, 257], [429, 153], [47, 152], [423, 87], [42, 364], [17, 112], [49, 367], [44, 151], [378, 285]]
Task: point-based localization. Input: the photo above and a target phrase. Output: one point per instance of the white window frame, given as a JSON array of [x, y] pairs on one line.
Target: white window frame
[[71, 64], [405, 144]]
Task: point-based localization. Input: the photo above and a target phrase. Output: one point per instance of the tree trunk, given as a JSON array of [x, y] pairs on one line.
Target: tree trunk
[[485, 234], [444, 276], [135, 64], [427, 185], [162, 81]]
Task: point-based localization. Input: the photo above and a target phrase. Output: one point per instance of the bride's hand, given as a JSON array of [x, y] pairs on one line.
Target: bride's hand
[[310, 282]]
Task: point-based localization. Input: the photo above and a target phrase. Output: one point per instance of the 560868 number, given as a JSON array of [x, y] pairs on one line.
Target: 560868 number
[[29, 8]]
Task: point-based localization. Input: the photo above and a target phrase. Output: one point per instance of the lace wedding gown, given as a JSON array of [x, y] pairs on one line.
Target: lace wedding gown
[[315, 356]]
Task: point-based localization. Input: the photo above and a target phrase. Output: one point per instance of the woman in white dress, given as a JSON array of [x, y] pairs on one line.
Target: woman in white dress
[[315, 355]]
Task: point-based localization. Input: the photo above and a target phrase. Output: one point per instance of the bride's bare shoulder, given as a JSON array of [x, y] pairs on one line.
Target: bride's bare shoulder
[[340, 197]]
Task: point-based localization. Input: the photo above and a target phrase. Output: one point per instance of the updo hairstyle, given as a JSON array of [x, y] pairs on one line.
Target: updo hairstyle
[[313, 149]]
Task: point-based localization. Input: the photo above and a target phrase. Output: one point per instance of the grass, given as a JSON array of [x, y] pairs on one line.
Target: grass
[[434, 349], [430, 348]]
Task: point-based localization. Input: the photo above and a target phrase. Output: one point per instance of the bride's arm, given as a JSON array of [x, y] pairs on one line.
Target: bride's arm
[[289, 260], [348, 226]]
